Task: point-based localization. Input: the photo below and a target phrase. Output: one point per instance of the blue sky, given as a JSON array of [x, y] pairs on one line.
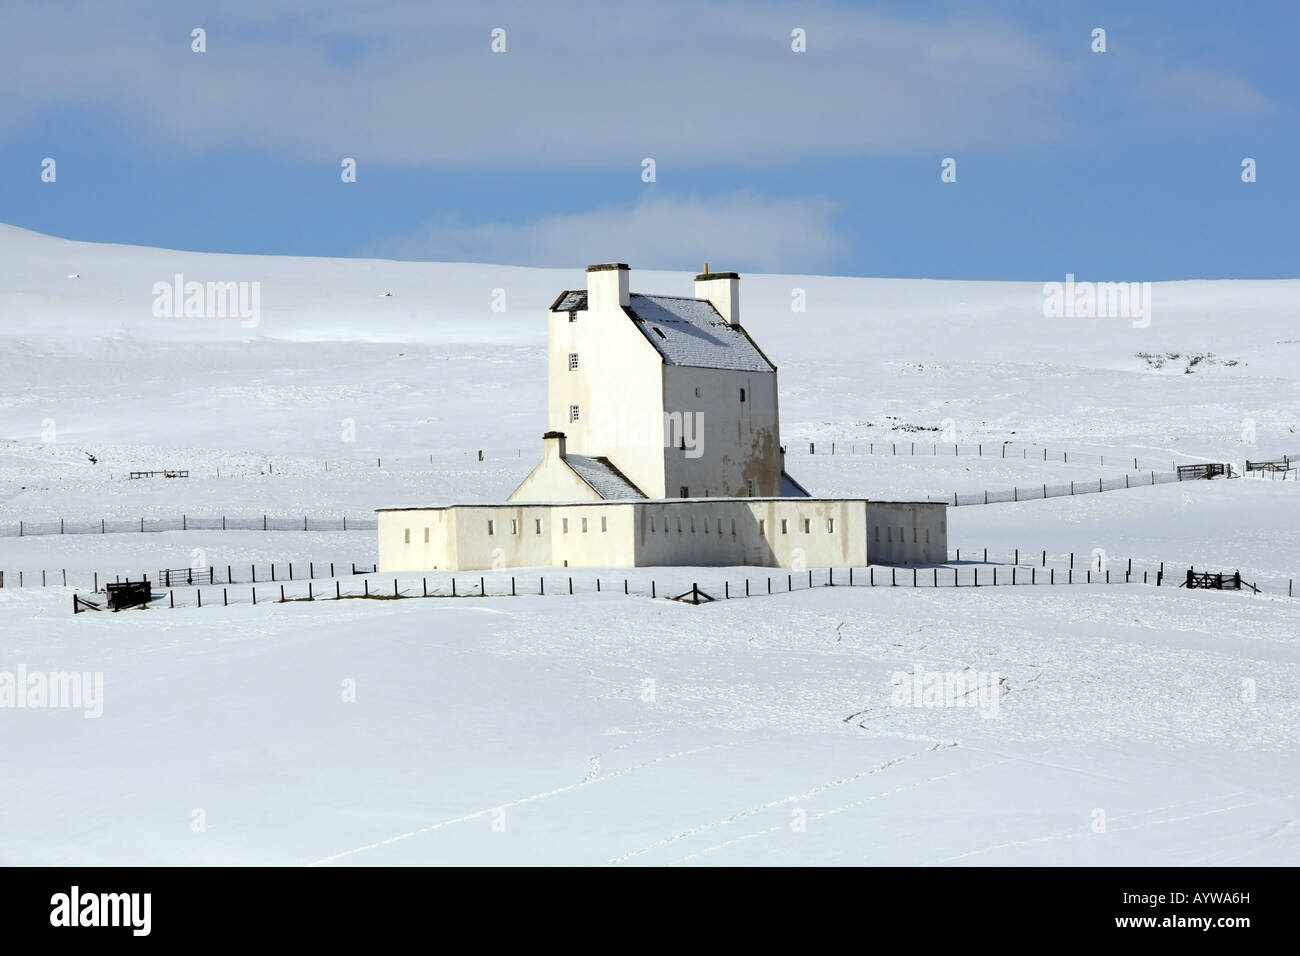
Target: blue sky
[[1117, 165]]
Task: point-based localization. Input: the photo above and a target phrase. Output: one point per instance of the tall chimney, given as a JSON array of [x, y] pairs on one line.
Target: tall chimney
[[722, 289], [607, 286], [553, 446]]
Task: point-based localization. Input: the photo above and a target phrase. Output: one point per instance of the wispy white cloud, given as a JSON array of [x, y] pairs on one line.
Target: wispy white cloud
[[580, 84], [1201, 90], [738, 231]]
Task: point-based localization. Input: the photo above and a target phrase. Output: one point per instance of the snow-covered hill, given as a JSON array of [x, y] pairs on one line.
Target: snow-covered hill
[[603, 729]]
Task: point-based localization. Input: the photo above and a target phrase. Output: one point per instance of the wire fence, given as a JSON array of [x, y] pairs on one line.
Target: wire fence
[[1271, 474], [976, 569], [191, 577], [1040, 491], [23, 528], [1011, 451]]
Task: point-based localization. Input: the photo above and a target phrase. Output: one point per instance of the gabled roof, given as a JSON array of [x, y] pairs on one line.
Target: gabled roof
[[692, 332], [606, 480], [571, 301], [791, 488]]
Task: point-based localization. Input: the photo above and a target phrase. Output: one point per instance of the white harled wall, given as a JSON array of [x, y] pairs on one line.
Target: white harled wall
[[760, 532]]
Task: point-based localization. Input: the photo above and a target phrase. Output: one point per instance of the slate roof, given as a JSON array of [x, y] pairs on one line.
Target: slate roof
[[792, 489], [691, 332], [571, 301], [608, 481]]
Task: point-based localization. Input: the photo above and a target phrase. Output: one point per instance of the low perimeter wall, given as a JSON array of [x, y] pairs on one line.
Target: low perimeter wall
[[699, 532]]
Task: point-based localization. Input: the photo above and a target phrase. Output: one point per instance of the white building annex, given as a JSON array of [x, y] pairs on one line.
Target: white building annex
[[663, 448]]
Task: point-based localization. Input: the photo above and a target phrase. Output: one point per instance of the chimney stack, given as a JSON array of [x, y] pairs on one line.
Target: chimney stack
[[607, 286], [553, 447], [722, 289]]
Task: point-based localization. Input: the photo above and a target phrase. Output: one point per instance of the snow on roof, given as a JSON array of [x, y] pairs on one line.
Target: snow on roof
[[571, 300], [608, 481], [691, 332]]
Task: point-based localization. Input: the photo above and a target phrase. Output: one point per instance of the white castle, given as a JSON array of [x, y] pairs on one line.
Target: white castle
[[663, 448]]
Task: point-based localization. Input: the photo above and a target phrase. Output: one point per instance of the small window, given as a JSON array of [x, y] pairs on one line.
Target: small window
[[927, 535], [573, 316], [685, 493], [514, 526], [742, 394], [573, 413], [426, 535], [762, 526], [749, 487], [720, 526], [807, 525], [652, 522], [889, 535], [697, 391], [603, 525], [491, 526], [914, 536], [902, 538], [679, 525], [564, 525], [830, 525], [783, 528], [692, 524], [537, 526], [584, 525], [733, 527], [573, 361], [408, 535], [660, 332]]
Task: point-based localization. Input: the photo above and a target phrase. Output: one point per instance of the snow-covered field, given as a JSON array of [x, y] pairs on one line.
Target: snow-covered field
[[1121, 724]]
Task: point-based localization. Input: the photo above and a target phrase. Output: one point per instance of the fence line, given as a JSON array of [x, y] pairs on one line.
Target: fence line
[[999, 450], [185, 523], [1016, 562], [306, 523], [1040, 491], [196, 577], [733, 587]]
